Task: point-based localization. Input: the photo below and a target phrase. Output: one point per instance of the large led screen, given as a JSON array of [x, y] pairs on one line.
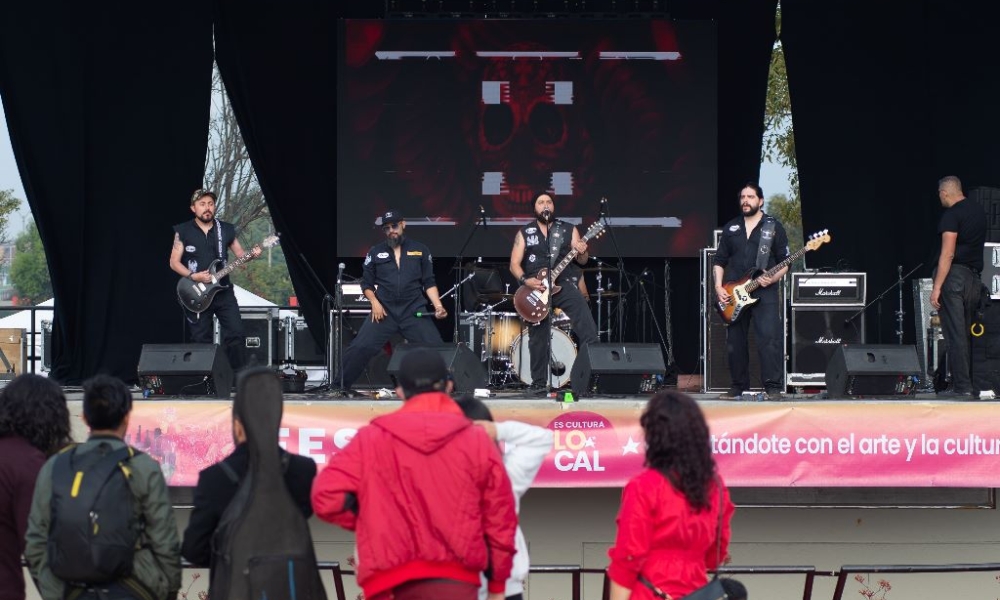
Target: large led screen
[[447, 121]]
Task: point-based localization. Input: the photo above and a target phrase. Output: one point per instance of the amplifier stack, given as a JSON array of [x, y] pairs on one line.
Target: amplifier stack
[[824, 306]]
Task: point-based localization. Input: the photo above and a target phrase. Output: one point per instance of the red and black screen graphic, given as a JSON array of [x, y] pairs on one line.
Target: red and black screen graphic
[[439, 118]]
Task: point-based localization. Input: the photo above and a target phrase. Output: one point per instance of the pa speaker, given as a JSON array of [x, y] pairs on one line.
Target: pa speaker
[[616, 368], [185, 370], [872, 370], [465, 368]]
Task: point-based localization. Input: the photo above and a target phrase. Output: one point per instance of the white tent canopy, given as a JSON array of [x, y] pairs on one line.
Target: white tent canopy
[[44, 312]]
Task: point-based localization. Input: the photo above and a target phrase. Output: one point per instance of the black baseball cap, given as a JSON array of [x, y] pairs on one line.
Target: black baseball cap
[[422, 370], [392, 216]]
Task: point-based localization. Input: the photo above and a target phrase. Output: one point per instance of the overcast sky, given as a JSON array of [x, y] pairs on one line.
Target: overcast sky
[[773, 179]]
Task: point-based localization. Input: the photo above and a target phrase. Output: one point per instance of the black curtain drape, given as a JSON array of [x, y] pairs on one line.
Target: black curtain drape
[[887, 98], [278, 64], [746, 40], [107, 104]]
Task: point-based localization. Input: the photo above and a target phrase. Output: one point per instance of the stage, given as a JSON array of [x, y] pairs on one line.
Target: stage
[[802, 440]]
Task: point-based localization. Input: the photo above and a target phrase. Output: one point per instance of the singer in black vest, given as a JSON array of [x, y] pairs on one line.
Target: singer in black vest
[[542, 244], [397, 272], [736, 256]]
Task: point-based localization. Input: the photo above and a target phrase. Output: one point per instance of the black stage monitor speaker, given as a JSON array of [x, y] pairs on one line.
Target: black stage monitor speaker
[[466, 370], [872, 370], [185, 370], [616, 369]]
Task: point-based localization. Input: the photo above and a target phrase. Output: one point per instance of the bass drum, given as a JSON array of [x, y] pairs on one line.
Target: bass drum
[[563, 351]]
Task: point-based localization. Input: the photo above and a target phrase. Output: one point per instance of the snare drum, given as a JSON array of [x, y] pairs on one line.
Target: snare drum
[[563, 351]]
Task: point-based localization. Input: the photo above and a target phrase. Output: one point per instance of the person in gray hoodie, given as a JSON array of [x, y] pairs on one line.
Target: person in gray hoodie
[[524, 451]]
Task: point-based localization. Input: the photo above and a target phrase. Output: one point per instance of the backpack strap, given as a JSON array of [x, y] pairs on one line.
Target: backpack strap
[[63, 470], [229, 472]]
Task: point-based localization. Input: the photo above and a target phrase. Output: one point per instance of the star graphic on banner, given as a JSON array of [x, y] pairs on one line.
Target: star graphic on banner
[[590, 443], [632, 447]]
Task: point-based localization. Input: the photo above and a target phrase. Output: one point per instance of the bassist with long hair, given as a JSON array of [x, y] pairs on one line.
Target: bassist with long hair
[[753, 242]]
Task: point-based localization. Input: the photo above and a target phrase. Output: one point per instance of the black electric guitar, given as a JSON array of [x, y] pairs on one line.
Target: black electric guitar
[[533, 305], [197, 297], [739, 291]]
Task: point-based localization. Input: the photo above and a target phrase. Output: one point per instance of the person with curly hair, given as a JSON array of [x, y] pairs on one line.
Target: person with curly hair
[[34, 424], [670, 511]]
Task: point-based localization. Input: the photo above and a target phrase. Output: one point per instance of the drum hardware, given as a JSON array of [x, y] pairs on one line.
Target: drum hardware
[[561, 364]]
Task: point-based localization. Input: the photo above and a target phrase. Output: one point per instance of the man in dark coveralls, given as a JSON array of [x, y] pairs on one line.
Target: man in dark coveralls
[[197, 243], [397, 273]]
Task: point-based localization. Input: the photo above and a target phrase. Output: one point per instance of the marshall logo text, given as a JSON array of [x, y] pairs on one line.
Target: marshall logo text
[[826, 340], [826, 292]]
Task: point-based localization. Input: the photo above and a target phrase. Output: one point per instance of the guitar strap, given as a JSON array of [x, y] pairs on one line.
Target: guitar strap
[[218, 234], [766, 238]]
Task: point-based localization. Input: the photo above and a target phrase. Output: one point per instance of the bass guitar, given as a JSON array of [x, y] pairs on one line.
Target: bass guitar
[[739, 291], [197, 297], [533, 305]]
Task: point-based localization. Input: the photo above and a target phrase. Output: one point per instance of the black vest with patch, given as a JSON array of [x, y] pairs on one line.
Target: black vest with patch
[[536, 249]]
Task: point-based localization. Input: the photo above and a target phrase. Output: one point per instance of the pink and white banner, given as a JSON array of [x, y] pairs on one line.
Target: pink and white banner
[[819, 444]]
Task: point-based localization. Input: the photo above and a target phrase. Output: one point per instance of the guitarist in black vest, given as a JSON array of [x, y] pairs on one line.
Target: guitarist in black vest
[[197, 243], [754, 241], [531, 253]]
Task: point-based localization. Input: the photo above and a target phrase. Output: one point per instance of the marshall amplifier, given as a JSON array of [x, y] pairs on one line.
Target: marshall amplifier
[[817, 332], [353, 298], [828, 289]]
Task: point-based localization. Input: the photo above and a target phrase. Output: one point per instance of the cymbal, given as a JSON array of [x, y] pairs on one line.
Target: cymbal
[[605, 295], [495, 296], [603, 269]]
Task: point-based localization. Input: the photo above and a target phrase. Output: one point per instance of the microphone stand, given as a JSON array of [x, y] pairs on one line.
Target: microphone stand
[[325, 307], [458, 268], [548, 282], [900, 313], [623, 276]]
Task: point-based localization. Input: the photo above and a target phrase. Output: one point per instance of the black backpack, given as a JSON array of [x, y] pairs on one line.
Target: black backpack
[[93, 531]]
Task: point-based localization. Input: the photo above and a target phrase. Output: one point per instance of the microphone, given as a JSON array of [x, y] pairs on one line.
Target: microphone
[[340, 272], [546, 214], [420, 314], [482, 215]]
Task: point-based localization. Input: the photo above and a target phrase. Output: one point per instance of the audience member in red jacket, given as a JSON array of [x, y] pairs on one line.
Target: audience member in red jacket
[[34, 424], [425, 492], [670, 511]]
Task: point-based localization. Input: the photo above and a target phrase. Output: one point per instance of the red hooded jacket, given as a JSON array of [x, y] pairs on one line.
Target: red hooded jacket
[[432, 498]]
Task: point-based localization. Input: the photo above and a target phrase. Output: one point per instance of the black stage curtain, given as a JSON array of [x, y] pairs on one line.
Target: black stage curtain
[[887, 98], [746, 39], [107, 105], [278, 63]]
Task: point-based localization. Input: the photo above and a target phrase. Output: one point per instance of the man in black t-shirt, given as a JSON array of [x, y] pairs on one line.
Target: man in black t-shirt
[[957, 283], [734, 259], [197, 244], [531, 254]]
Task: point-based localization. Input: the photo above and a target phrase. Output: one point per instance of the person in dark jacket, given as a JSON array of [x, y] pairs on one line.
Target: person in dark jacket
[[34, 424], [397, 272], [218, 483], [426, 493]]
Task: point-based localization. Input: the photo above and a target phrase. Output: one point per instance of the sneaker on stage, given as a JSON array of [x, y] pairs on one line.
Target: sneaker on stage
[[732, 394]]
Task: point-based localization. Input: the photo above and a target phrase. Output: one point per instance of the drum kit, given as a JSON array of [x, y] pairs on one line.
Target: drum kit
[[500, 337]]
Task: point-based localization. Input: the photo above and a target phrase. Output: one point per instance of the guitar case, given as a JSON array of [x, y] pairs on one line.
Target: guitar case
[[262, 547]]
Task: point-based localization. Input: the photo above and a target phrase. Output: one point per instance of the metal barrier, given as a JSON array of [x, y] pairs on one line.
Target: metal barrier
[[847, 570], [577, 572]]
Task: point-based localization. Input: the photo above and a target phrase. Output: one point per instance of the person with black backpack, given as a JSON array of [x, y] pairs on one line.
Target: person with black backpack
[[101, 524]]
